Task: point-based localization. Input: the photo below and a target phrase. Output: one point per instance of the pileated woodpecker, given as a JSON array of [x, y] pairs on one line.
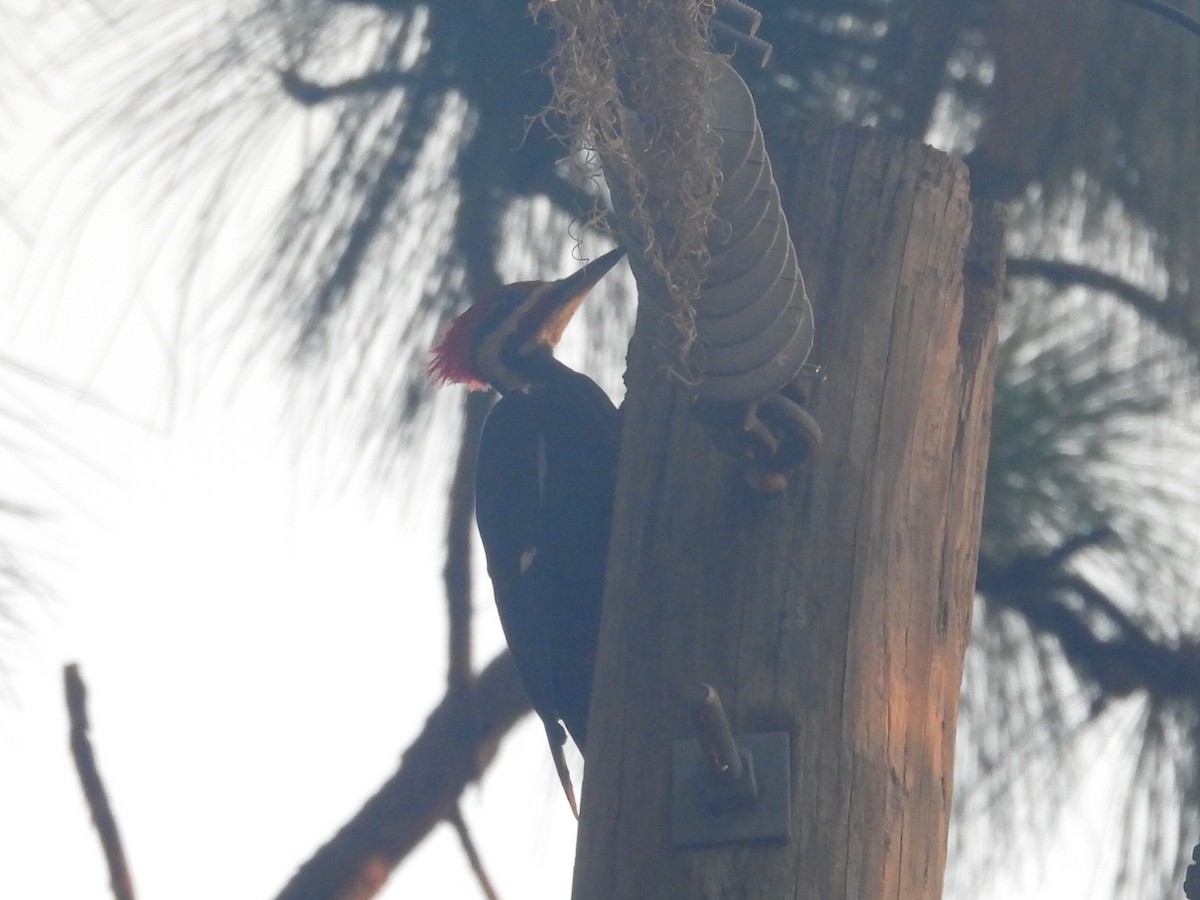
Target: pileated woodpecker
[[544, 483]]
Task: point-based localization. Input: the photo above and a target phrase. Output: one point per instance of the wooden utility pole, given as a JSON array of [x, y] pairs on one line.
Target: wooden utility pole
[[837, 611]]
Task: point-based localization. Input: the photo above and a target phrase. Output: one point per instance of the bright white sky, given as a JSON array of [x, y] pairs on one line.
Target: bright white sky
[[259, 624]]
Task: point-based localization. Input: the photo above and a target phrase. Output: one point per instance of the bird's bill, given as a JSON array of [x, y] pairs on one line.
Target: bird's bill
[[562, 298], [587, 277]]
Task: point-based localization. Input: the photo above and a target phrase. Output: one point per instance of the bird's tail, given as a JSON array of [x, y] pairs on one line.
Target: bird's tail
[[557, 736]]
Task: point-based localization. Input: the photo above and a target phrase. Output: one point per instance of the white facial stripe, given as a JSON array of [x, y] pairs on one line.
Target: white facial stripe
[[555, 328], [490, 352]]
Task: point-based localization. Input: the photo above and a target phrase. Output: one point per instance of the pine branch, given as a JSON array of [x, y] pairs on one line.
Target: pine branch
[[473, 857], [1041, 590], [93, 787], [458, 742], [1065, 274], [1170, 13], [311, 93], [460, 524]]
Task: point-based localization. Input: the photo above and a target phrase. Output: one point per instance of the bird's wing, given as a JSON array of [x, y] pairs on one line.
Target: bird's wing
[[544, 494], [510, 510]]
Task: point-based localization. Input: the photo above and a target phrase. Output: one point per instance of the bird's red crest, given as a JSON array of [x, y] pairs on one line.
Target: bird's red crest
[[486, 343], [452, 356]]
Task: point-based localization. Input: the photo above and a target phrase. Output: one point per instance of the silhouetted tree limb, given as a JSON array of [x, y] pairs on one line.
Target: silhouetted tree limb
[[93, 787], [311, 93], [1065, 274], [940, 24], [1049, 596], [460, 526], [468, 845], [458, 742], [1168, 12]]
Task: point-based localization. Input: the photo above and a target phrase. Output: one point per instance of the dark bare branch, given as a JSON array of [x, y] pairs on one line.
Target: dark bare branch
[[939, 24], [311, 93], [458, 742], [93, 787], [1172, 14], [1067, 274], [460, 525], [468, 845], [1047, 596]]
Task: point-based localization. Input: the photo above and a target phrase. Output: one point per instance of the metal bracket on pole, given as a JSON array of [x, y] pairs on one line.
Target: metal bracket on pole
[[726, 791]]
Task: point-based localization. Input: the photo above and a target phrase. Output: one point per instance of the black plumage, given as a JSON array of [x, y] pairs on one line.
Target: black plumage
[[544, 488], [544, 483]]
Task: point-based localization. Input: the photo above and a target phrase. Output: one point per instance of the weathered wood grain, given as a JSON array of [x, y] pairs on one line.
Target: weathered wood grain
[[837, 611]]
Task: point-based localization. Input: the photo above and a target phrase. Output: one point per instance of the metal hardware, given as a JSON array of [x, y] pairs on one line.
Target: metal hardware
[[725, 790]]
